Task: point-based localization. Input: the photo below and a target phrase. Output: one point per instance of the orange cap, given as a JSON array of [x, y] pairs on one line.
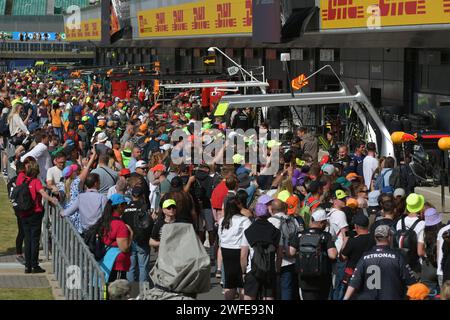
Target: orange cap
[[352, 176], [352, 203], [101, 123], [80, 127], [143, 127], [292, 204]]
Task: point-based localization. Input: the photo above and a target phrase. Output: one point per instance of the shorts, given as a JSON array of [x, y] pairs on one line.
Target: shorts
[[206, 220], [232, 268], [253, 288]]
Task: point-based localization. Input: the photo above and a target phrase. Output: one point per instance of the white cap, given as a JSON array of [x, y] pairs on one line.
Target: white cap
[[319, 215], [166, 147], [399, 192], [141, 164]]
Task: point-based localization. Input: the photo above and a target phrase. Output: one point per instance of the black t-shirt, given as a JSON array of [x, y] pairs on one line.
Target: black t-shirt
[[382, 274], [355, 248], [315, 283], [138, 208], [262, 231], [241, 121]]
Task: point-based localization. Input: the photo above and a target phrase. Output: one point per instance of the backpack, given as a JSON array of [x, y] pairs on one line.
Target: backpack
[[4, 127], [288, 228], [263, 261], [93, 239], [305, 211], [380, 185], [403, 177], [311, 255], [405, 239], [21, 198], [142, 222]]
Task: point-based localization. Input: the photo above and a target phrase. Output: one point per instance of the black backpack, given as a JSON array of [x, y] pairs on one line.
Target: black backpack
[[263, 261], [288, 228], [403, 177], [4, 127], [311, 256], [21, 198], [93, 239], [405, 239]]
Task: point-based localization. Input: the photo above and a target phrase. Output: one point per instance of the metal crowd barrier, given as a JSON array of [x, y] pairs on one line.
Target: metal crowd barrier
[[78, 273]]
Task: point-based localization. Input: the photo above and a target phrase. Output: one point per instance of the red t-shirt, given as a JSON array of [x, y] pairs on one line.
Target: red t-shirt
[[218, 196], [118, 230], [35, 187]]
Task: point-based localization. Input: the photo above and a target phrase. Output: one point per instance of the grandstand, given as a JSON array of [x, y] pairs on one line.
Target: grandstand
[[38, 7]]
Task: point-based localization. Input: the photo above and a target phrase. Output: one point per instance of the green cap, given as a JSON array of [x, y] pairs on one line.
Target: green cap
[[273, 143], [187, 115], [284, 195], [168, 203], [340, 194], [237, 159]]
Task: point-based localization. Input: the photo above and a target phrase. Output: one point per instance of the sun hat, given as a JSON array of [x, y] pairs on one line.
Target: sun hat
[[415, 202], [168, 203], [102, 137], [283, 195], [117, 199], [432, 217]]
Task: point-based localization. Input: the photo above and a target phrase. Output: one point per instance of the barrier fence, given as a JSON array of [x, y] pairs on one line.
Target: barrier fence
[[77, 272]]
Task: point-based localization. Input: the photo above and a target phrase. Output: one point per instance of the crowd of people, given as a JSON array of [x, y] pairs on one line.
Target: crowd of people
[[328, 224]]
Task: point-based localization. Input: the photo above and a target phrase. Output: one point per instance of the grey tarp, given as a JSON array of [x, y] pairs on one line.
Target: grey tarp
[[183, 265]]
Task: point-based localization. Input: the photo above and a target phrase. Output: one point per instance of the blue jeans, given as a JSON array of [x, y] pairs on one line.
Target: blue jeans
[[288, 283], [338, 292], [140, 263], [59, 133]]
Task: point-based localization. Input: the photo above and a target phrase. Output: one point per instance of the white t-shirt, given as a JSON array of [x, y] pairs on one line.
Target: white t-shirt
[[440, 242], [419, 229], [370, 164], [42, 156], [286, 261], [337, 220], [54, 174], [231, 238]]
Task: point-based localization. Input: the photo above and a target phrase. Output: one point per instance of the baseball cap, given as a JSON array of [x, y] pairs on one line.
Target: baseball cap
[[67, 171], [343, 182], [361, 220], [283, 195], [418, 291], [373, 198], [415, 202], [292, 204], [237, 159], [328, 169], [168, 203], [164, 137], [319, 215], [352, 176], [265, 199], [383, 231], [244, 180], [340, 194], [352, 203], [432, 217], [399, 192], [141, 164], [117, 199], [102, 137], [158, 167], [124, 172], [261, 210], [137, 191]]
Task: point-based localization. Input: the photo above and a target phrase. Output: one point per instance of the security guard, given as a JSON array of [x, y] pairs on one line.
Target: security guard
[[382, 273]]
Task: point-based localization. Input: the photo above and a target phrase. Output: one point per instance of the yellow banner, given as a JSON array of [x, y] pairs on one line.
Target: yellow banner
[[375, 14], [211, 17], [89, 30]]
